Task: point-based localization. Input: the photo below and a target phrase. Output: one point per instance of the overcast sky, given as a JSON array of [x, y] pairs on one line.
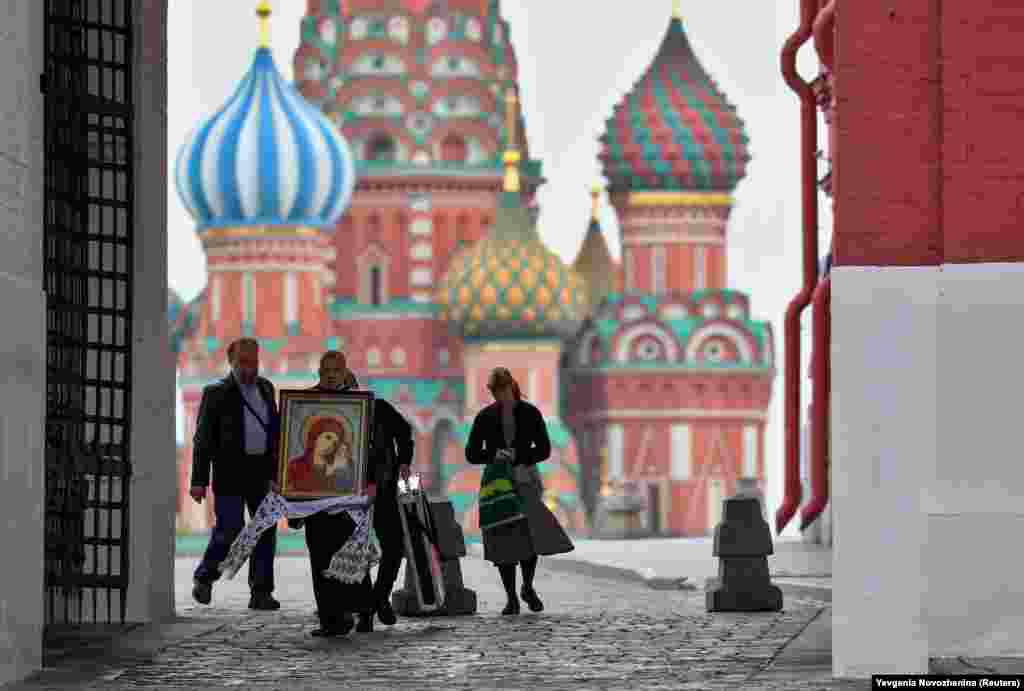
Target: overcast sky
[[576, 61]]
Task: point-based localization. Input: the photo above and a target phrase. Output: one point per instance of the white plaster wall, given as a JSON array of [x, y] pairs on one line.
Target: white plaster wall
[[973, 492], [22, 349], [153, 449], [884, 364]]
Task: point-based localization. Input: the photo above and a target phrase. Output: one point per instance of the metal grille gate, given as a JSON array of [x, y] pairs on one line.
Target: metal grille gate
[[87, 265]]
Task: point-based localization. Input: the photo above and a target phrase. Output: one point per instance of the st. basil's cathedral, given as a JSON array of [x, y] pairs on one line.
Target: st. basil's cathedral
[[652, 375]]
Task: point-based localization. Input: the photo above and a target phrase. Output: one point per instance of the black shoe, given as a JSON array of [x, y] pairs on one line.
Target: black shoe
[[365, 624], [529, 596], [202, 592], [264, 602], [386, 614], [511, 609], [333, 631]]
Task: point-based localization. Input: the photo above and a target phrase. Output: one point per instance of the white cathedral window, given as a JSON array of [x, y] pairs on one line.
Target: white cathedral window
[[422, 251], [313, 71], [360, 27], [398, 29], [249, 297], [215, 297], [700, 281], [658, 269], [377, 105], [633, 312], [421, 277], [291, 298], [437, 30], [398, 357], [750, 451], [454, 66], [379, 64], [328, 31], [616, 452], [682, 458]]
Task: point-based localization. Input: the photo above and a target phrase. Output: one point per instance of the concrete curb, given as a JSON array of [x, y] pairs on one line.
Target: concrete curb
[[567, 564]]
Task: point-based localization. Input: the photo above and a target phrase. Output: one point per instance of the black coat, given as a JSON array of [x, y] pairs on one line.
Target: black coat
[[393, 446], [219, 440], [532, 444]]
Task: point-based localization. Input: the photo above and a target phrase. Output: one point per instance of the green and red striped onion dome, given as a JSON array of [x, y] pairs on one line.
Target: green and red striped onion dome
[[675, 130]]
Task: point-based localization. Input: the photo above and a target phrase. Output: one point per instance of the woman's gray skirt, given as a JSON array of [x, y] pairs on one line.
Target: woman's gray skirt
[[538, 535]]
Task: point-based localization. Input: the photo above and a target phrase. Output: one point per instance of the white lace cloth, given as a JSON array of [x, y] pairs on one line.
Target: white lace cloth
[[349, 564]]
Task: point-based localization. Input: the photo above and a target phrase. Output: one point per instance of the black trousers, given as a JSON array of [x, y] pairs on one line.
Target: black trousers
[[388, 526], [325, 535]]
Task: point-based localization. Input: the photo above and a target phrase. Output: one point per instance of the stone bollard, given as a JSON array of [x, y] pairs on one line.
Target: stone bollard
[[743, 542], [459, 599]]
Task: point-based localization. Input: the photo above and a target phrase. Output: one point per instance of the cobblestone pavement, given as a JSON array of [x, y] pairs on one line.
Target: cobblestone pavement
[[595, 634]]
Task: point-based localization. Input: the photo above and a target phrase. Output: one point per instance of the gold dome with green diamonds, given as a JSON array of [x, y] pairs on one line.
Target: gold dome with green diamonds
[[511, 284]]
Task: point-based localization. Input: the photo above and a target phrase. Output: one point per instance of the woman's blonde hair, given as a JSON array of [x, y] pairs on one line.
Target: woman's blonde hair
[[500, 378]]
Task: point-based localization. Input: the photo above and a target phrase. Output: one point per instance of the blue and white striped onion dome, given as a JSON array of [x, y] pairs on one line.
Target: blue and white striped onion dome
[[267, 157]]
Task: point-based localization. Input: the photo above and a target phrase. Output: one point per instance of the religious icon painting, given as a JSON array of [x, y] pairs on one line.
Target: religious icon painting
[[325, 443]]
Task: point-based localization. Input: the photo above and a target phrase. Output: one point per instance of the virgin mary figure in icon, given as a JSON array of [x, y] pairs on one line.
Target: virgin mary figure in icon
[[326, 464]]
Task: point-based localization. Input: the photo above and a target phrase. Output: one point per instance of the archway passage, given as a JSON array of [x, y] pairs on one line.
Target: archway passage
[[382, 148], [443, 434], [453, 149], [376, 287]]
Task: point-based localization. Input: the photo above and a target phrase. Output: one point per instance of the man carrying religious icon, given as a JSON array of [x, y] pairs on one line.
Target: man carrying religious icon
[[236, 434], [389, 458], [327, 533]]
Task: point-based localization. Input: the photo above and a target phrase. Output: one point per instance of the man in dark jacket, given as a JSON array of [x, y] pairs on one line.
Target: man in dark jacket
[[390, 458], [236, 434]]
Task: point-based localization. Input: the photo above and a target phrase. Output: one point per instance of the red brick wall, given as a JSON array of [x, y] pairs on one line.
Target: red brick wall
[[312, 316], [927, 169], [886, 164], [715, 271], [269, 304], [982, 156]]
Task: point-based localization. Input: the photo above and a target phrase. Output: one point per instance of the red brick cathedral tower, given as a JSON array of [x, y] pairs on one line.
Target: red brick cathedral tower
[[672, 376]]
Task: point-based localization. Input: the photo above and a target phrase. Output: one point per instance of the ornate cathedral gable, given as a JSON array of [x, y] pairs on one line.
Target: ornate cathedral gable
[[705, 329]]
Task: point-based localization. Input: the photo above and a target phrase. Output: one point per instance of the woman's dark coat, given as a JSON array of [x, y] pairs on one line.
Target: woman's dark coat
[[540, 533]]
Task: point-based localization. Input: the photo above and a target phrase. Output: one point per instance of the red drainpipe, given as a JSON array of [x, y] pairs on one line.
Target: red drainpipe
[[824, 43], [824, 35], [809, 203], [820, 404]]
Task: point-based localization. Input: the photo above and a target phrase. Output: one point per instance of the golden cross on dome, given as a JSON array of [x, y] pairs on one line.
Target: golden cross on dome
[[677, 9], [263, 12], [595, 192]]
